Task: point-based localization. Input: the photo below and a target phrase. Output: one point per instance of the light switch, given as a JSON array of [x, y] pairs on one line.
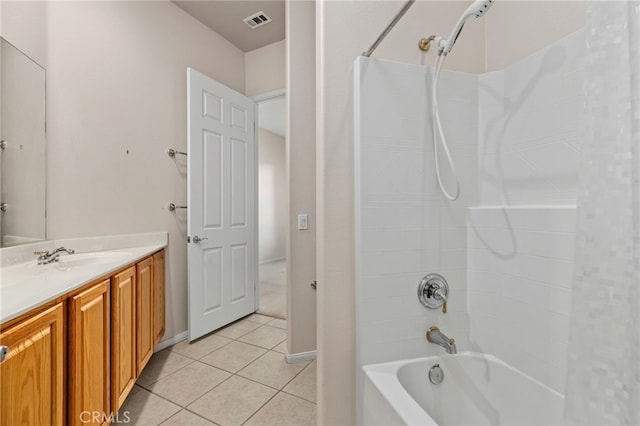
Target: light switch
[[303, 222]]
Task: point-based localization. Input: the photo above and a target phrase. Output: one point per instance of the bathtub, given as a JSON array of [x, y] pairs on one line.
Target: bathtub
[[477, 389]]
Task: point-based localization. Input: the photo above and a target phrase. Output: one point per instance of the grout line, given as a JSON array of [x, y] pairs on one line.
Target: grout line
[[260, 408], [231, 374], [192, 412], [299, 397]]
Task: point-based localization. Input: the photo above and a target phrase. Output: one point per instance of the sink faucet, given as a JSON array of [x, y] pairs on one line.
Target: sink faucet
[[434, 335], [44, 257]]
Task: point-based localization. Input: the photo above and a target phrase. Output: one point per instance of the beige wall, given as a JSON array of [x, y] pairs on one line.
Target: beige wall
[[301, 160], [24, 24], [272, 196], [344, 30], [516, 29], [265, 69], [116, 100]]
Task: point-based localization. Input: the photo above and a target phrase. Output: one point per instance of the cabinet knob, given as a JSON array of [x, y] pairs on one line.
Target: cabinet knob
[[4, 351]]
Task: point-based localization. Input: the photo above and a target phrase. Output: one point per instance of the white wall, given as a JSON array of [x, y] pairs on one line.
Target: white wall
[[272, 196], [532, 126], [343, 31], [116, 100], [404, 228], [512, 228], [265, 69], [520, 269], [521, 238]]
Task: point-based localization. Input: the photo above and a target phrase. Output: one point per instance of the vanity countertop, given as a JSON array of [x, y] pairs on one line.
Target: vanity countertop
[[27, 285]]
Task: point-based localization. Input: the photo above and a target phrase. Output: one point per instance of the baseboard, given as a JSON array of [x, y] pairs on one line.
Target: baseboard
[[276, 259], [172, 341], [300, 357]]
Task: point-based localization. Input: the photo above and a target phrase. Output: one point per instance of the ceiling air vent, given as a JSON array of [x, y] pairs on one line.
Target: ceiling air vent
[[257, 20]]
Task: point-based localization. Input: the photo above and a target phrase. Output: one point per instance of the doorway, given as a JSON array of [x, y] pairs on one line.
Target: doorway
[[272, 205]]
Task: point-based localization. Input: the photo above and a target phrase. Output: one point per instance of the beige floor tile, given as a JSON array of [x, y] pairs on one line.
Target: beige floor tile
[[304, 384], [201, 347], [282, 348], [162, 364], [135, 389], [273, 289], [187, 418], [278, 322], [234, 356], [272, 370], [145, 408], [237, 329], [233, 402], [285, 410], [265, 336], [261, 319], [189, 383]]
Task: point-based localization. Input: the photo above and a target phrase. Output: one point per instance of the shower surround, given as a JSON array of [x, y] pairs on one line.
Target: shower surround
[[506, 246]]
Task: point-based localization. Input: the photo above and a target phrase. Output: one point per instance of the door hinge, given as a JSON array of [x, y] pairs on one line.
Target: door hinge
[[314, 284]]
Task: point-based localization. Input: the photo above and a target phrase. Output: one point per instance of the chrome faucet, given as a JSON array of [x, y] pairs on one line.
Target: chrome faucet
[[434, 335], [44, 257]]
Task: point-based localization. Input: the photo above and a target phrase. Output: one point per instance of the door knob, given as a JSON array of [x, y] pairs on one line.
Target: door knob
[[197, 239]]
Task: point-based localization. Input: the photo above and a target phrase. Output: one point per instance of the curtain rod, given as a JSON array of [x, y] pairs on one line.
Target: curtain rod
[[389, 27]]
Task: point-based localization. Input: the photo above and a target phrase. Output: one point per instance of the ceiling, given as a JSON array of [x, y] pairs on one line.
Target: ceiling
[[271, 116], [225, 18]]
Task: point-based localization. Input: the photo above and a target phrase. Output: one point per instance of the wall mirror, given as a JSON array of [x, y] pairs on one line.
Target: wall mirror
[[22, 149]]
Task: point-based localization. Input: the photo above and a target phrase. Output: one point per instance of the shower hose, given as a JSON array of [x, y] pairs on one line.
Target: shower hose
[[437, 129]]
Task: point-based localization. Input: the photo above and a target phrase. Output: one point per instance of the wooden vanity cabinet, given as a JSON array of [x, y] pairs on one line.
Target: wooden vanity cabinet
[[137, 322], [111, 326], [158, 297], [32, 374], [123, 336], [144, 312], [89, 373]]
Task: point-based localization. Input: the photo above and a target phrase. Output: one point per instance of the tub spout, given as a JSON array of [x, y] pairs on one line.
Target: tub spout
[[434, 335]]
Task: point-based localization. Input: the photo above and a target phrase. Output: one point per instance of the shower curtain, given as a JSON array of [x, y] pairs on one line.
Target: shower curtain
[[603, 375]]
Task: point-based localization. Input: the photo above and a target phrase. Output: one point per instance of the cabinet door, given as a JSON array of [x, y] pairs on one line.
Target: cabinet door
[[31, 376], [123, 336], [144, 318], [89, 355], [158, 297]]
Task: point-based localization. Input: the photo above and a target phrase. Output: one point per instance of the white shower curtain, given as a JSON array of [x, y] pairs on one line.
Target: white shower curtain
[[603, 377]]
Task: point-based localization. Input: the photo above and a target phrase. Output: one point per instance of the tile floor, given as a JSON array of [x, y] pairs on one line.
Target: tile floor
[[273, 288], [235, 376]]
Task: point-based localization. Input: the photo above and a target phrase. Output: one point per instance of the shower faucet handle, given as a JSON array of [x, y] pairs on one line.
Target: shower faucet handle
[[433, 292]]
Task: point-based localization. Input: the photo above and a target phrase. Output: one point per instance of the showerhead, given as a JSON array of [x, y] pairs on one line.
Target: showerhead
[[477, 9]]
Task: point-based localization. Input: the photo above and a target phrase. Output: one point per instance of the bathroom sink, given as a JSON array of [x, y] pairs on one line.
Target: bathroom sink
[[72, 261]]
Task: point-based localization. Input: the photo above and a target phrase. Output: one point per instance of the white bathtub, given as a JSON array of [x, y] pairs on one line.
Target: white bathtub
[[477, 389]]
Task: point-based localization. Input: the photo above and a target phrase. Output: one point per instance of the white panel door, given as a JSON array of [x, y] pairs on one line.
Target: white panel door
[[221, 179]]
